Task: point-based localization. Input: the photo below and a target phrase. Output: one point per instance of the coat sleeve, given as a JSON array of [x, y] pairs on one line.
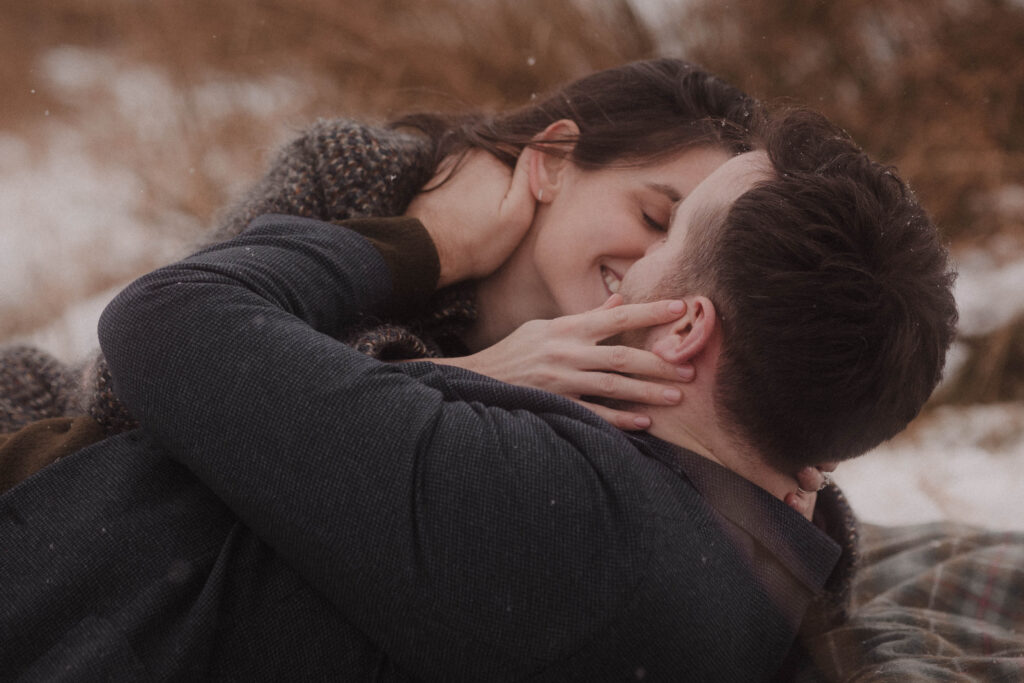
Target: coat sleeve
[[336, 169], [449, 530]]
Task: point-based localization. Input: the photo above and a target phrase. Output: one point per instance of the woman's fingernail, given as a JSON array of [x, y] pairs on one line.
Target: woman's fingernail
[[686, 372], [676, 306], [672, 395], [642, 421]]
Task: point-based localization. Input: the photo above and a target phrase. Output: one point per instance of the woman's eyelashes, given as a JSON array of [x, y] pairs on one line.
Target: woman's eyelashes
[[654, 224]]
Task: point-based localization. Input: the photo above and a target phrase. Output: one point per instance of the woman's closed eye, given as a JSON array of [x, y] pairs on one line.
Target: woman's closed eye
[[654, 224]]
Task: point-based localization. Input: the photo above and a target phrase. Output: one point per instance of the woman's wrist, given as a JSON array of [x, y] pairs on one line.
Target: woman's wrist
[[410, 254]]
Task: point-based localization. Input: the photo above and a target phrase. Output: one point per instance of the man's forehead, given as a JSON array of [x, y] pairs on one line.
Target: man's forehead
[[727, 183], [739, 173]]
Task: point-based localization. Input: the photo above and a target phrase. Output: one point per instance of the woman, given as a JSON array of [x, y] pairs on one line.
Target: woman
[[625, 144], [604, 159], [648, 131], [609, 155]]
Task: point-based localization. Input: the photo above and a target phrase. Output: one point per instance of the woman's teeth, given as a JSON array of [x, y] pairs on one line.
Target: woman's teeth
[[610, 280]]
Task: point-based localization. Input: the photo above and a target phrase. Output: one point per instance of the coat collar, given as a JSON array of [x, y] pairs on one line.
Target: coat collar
[[804, 549]]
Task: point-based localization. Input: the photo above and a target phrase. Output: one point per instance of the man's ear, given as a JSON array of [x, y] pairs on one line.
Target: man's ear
[[547, 168], [686, 337]]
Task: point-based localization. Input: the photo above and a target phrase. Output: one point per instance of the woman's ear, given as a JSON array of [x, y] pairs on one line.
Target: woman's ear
[[547, 168], [685, 338]]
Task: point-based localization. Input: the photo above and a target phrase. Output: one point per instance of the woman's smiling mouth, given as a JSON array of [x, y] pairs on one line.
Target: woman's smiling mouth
[[611, 280]]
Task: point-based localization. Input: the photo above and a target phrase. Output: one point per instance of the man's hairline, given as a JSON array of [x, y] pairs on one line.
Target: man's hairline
[[766, 171]]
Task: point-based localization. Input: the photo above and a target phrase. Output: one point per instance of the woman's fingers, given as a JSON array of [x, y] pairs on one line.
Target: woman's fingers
[[623, 419], [609, 320], [802, 502], [562, 356], [517, 207], [621, 388], [810, 480], [611, 302], [631, 361]]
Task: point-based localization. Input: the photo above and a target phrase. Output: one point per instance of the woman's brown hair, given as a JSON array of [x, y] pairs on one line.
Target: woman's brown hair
[[630, 115]]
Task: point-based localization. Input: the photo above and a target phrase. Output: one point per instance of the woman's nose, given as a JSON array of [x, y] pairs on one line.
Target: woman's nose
[[634, 241]]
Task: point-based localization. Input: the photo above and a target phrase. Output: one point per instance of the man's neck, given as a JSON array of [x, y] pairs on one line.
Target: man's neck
[[694, 425]]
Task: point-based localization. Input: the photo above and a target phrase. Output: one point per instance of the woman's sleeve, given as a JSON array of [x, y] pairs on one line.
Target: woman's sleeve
[[334, 170], [41, 444], [445, 528]]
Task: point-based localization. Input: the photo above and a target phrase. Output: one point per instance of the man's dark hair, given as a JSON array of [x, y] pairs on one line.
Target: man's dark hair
[[835, 297], [635, 114]]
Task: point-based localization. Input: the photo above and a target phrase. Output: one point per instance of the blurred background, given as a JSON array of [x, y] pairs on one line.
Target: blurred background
[[126, 124]]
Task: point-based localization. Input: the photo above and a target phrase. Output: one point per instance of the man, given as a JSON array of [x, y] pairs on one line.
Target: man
[[340, 517], [819, 325]]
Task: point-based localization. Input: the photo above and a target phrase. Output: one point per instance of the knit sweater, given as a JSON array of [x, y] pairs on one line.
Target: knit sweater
[[335, 170]]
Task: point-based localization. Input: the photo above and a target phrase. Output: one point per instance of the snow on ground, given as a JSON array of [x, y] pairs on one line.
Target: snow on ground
[[68, 217], [989, 292], [79, 220], [69, 214], [960, 463], [72, 336]]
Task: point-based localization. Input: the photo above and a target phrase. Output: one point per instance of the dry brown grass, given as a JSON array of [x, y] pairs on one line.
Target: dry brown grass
[[377, 54], [994, 370], [368, 57], [936, 88]]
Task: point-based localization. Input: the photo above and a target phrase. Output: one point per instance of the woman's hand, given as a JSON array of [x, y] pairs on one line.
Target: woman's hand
[[810, 480], [477, 216], [563, 356]]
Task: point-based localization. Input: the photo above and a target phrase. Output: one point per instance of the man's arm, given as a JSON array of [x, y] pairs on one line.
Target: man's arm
[[428, 520]]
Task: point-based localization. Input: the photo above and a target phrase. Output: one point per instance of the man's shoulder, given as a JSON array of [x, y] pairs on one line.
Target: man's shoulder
[[465, 385], [541, 427], [112, 540], [556, 427], [117, 480]]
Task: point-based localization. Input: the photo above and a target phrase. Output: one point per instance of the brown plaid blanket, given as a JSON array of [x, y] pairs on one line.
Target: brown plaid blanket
[[934, 602]]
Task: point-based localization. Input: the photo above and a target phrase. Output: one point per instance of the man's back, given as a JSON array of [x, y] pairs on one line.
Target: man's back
[[383, 519], [120, 565], [144, 572]]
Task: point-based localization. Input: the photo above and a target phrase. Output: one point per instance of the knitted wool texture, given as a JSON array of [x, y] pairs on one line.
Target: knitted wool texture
[[335, 170], [33, 385]]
